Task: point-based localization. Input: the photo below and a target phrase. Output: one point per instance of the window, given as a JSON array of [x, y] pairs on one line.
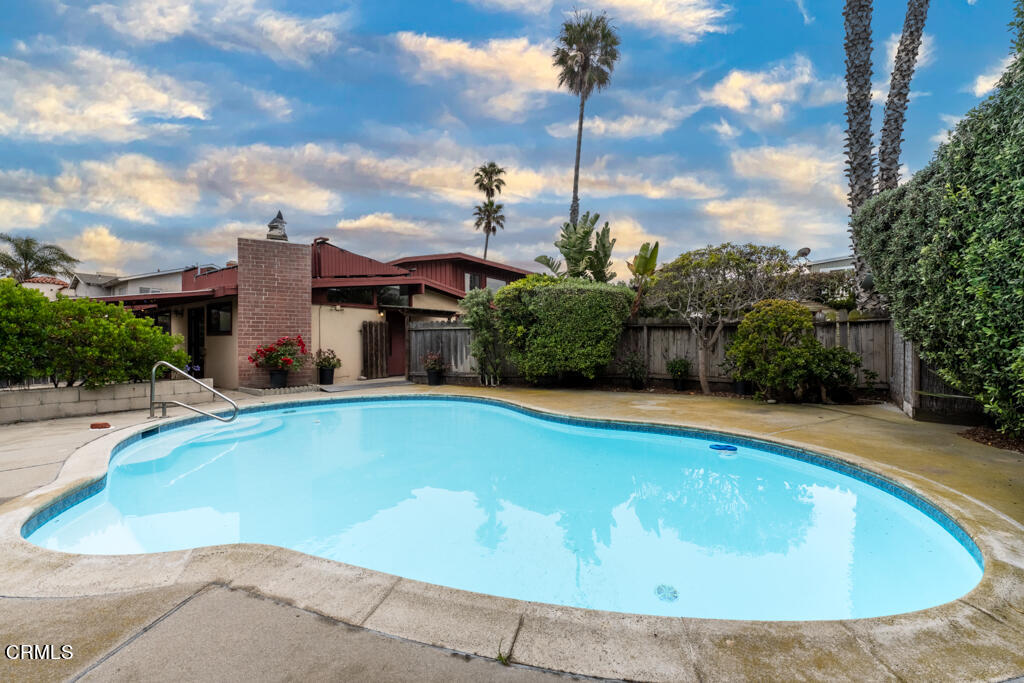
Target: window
[[362, 296], [149, 290], [396, 295], [474, 281], [163, 321], [494, 284], [218, 318]]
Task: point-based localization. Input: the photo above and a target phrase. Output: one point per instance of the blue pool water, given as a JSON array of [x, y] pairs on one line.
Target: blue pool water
[[484, 498]]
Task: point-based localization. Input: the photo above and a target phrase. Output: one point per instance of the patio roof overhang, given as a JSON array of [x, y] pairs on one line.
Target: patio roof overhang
[[385, 281], [161, 299]]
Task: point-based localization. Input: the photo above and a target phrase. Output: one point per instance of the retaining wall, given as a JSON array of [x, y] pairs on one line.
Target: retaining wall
[[28, 405]]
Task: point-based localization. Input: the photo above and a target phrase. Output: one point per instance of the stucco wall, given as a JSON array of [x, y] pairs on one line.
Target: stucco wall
[[222, 352], [341, 330], [435, 300]]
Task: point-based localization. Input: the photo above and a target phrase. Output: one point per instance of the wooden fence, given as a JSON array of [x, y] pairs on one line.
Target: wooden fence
[[659, 341]]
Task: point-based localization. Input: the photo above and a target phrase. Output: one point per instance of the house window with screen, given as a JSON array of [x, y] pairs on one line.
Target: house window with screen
[[474, 281], [218, 318]]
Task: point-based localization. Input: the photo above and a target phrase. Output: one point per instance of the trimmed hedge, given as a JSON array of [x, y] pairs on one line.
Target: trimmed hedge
[[551, 326], [947, 250]]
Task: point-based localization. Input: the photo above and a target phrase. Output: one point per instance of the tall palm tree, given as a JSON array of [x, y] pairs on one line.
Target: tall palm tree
[[28, 258], [489, 181], [585, 56], [899, 93], [489, 217]]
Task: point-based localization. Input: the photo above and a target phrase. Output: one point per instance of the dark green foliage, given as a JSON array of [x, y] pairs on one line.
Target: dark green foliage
[[551, 326], [634, 366], [679, 368], [24, 322], [775, 348], [482, 318], [98, 343], [29, 258], [947, 250], [834, 289]]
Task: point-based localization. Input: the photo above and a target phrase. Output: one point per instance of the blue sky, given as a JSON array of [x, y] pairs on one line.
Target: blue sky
[[151, 133]]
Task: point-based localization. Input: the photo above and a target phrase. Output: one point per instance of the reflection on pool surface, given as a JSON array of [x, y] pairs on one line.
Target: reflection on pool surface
[[483, 498]]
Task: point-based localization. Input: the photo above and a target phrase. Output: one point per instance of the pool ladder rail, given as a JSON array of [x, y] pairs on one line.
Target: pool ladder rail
[[163, 404]]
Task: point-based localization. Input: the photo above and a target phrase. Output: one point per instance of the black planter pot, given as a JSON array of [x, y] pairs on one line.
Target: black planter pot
[[326, 375], [679, 383], [435, 377], [278, 379], [637, 384], [739, 387]]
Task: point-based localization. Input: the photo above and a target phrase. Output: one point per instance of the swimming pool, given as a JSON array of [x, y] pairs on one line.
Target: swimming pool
[[482, 497]]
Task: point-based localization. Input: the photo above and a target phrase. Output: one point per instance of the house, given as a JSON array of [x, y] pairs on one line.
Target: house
[[110, 284], [356, 305], [830, 264], [49, 286]]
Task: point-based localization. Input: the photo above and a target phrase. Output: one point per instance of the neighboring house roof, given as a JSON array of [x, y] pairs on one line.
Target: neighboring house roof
[[459, 256], [46, 280], [98, 279], [331, 261]]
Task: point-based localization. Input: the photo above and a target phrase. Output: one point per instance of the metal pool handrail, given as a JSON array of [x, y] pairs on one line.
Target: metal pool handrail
[[163, 404]]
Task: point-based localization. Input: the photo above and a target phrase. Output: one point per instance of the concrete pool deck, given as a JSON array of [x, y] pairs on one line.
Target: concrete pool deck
[[246, 611]]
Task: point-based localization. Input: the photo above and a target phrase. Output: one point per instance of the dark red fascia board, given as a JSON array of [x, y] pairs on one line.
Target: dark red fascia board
[[384, 281], [188, 295], [459, 256]]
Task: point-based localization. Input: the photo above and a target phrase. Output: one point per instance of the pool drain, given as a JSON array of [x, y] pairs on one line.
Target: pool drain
[[666, 593]]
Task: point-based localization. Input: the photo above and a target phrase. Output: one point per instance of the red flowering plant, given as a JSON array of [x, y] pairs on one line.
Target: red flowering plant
[[286, 353]]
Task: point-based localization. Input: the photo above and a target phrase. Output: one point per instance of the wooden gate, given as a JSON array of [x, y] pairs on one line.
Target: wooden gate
[[375, 349]]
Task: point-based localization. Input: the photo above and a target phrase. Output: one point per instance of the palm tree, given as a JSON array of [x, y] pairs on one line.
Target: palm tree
[[899, 93], [28, 258], [585, 56], [489, 181], [489, 217]]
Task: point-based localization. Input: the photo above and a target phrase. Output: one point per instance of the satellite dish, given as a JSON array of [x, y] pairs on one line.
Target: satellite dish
[[803, 252]]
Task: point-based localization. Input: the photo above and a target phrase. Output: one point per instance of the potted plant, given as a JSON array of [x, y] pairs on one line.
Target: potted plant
[[635, 367], [433, 362], [679, 368], [326, 362], [285, 354]]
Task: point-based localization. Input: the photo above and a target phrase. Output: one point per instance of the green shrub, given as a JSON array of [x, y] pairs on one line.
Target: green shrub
[[24, 323], [634, 366], [679, 368], [947, 251], [551, 326], [482, 318], [97, 343], [775, 348]]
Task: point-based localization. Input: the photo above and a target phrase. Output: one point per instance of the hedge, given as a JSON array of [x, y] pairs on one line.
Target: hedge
[[947, 251]]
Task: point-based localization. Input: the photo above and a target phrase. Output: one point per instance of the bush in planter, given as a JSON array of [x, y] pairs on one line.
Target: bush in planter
[[24, 323], [326, 362], [551, 327], [679, 368], [775, 348], [287, 353]]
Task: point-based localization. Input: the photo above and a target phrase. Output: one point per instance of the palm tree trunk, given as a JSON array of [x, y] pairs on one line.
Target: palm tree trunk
[[487, 239], [574, 208], [899, 93], [860, 162]]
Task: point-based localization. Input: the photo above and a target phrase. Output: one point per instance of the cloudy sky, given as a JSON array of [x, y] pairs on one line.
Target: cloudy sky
[[151, 133]]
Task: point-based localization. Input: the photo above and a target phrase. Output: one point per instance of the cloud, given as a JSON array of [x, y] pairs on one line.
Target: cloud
[[77, 93], [97, 246], [796, 169], [223, 239], [628, 125], [19, 214], [801, 5], [382, 222], [505, 76], [629, 236], [761, 218], [236, 25], [986, 82], [277, 106], [766, 95], [131, 186], [725, 130], [684, 20], [518, 6], [943, 135]]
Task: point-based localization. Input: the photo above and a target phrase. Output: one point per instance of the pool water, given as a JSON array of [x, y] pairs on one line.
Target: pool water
[[484, 498]]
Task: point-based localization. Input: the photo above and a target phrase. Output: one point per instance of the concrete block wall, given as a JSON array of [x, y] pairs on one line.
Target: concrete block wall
[[274, 300], [29, 405]]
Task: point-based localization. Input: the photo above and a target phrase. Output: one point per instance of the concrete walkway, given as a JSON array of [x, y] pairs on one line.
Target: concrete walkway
[[208, 625]]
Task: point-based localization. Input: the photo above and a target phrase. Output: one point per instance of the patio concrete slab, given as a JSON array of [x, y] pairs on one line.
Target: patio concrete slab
[[17, 480], [231, 635]]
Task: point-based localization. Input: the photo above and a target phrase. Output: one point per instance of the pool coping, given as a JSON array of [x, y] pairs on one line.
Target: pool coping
[[589, 642]]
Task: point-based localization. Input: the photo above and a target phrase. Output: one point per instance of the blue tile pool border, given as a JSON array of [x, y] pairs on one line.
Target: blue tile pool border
[[893, 488]]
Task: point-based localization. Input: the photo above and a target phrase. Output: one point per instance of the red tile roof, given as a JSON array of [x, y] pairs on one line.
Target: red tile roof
[[47, 280]]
